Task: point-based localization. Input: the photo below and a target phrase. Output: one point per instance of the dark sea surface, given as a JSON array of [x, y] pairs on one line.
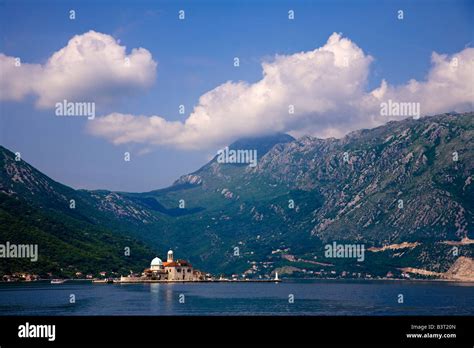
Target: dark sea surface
[[311, 297]]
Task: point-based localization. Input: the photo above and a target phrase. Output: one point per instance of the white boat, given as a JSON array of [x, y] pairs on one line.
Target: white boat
[[58, 281]]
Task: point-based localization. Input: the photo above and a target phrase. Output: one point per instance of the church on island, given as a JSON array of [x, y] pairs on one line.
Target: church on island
[[171, 270]]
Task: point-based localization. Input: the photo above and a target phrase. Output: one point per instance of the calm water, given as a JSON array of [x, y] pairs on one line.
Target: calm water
[[311, 298]]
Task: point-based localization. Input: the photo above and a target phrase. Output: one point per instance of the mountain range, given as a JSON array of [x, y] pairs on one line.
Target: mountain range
[[403, 190]]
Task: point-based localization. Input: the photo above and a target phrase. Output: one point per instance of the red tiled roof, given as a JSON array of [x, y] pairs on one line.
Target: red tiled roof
[[170, 264], [179, 263]]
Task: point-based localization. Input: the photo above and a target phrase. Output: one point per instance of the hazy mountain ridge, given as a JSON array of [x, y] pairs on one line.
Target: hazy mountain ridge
[[343, 190]]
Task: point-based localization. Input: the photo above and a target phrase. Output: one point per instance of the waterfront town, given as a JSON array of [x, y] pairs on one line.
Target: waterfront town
[[282, 264], [171, 270]]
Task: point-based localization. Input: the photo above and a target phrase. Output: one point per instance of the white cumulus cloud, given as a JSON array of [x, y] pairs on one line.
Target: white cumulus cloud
[[449, 85], [326, 87], [91, 67]]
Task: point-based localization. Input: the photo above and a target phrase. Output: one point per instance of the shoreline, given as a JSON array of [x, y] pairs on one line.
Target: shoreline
[[284, 280], [192, 281]]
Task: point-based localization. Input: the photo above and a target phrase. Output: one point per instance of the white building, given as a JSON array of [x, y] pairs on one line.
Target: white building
[[171, 270]]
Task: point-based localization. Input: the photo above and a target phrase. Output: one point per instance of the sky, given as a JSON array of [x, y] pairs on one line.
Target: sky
[[335, 63]]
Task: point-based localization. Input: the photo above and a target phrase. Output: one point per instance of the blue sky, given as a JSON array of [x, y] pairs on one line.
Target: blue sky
[[194, 56]]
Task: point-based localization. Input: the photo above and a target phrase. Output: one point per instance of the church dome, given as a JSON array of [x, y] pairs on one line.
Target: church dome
[[156, 262]]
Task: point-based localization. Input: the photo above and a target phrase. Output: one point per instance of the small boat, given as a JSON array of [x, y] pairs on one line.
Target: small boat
[[58, 281]]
